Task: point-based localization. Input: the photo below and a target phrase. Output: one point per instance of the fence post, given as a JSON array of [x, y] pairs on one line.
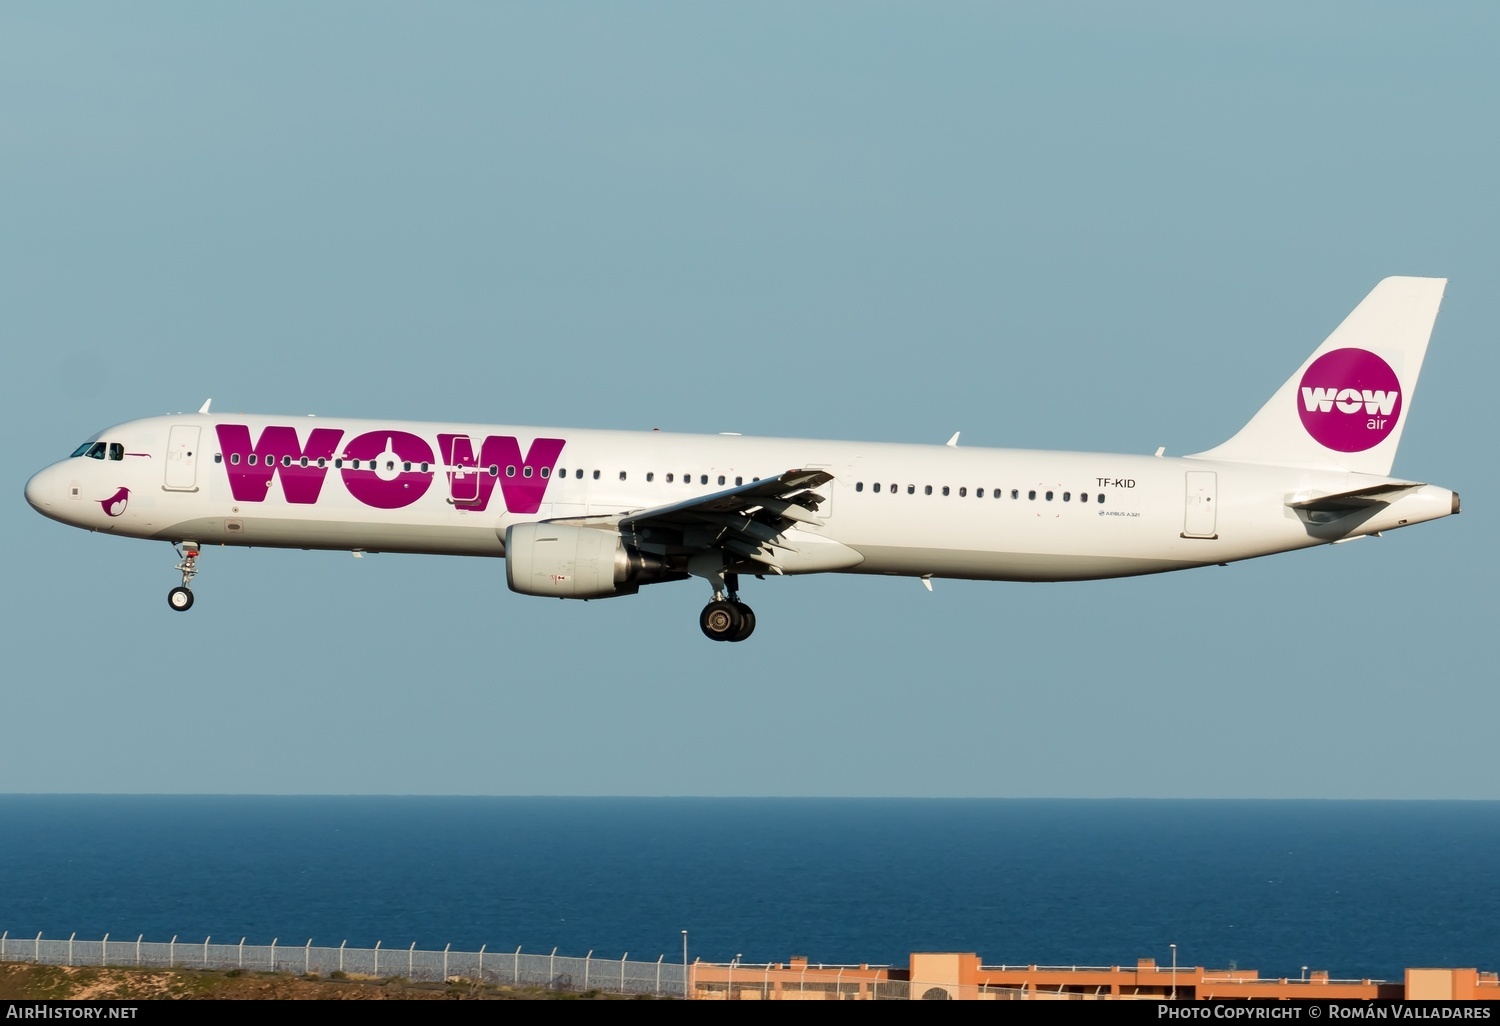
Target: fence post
[[138, 949], [171, 953], [205, 948], [481, 962], [37, 948], [242, 953], [377, 958], [2, 944], [765, 987], [411, 953], [552, 976], [586, 968], [341, 954], [104, 950], [307, 958], [445, 959], [273, 953], [516, 979], [658, 974], [70, 947], [622, 971]]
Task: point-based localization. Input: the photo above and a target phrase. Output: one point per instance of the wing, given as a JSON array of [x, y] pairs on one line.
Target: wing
[[750, 524]]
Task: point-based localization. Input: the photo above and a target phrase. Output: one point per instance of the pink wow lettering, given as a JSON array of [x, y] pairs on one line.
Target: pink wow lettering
[[387, 469], [1349, 400]]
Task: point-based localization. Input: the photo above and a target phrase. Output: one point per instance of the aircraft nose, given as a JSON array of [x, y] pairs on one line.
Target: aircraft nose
[[36, 492], [45, 491]]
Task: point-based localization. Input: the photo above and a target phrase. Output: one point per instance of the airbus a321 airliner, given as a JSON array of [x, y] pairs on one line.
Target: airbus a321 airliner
[[595, 514]]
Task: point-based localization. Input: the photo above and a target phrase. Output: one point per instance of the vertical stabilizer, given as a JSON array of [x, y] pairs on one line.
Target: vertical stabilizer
[[1347, 405]]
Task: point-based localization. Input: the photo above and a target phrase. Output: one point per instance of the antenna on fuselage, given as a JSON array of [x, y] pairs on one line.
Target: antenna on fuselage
[[953, 442], [206, 403]]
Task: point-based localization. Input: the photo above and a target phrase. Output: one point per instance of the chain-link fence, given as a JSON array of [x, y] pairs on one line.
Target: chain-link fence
[[513, 968]]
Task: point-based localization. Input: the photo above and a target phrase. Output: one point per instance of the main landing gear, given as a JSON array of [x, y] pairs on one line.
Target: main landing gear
[[181, 598], [727, 618]]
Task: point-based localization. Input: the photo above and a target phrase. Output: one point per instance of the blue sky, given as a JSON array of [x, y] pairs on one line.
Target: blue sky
[[1072, 225]]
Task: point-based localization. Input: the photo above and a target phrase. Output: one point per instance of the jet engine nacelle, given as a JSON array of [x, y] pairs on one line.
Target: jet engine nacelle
[[561, 561]]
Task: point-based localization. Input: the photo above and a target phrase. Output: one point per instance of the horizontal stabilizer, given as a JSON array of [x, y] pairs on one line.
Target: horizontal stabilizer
[[1360, 498]]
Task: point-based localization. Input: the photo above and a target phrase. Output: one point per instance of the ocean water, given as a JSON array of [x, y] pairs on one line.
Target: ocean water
[[1362, 889]]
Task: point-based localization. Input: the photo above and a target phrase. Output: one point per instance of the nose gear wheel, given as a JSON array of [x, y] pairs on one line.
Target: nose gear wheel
[[181, 597]]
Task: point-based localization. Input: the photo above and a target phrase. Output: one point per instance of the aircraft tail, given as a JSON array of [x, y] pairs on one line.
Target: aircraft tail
[[1347, 404]]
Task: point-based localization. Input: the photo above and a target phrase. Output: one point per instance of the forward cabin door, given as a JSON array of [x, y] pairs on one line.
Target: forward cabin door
[[182, 458], [1201, 519]]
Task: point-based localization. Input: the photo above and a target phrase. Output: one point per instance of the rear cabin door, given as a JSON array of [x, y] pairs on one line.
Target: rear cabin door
[[1200, 519]]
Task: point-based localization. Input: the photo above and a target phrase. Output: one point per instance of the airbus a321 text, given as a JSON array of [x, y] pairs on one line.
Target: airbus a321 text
[[595, 514]]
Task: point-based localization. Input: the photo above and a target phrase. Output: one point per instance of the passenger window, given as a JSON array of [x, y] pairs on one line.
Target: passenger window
[[1031, 495], [963, 492], [721, 479], [1015, 493], [979, 493], [1101, 498], [877, 486], [510, 471], [703, 479], [927, 490], [893, 488], [525, 471], [596, 475], [1083, 496], [253, 457], [578, 474], [303, 462], [218, 457], [739, 481], [1049, 496], [405, 464], [669, 479], [1067, 496], [945, 489], [911, 489], [560, 472], [622, 475], [859, 486], [650, 476]]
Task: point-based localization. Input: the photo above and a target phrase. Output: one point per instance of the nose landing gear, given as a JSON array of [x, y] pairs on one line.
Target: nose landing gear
[[181, 598], [727, 619]]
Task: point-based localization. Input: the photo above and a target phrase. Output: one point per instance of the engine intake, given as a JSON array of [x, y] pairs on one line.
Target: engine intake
[[561, 561]]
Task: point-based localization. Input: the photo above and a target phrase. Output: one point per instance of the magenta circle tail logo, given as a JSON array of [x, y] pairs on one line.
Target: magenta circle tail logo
[[1349, 400]]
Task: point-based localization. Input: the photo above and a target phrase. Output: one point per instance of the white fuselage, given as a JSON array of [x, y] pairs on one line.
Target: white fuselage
[[918, 510]]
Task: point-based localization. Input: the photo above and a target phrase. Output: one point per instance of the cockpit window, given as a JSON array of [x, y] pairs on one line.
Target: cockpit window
[[116, 451], [93, 450]]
